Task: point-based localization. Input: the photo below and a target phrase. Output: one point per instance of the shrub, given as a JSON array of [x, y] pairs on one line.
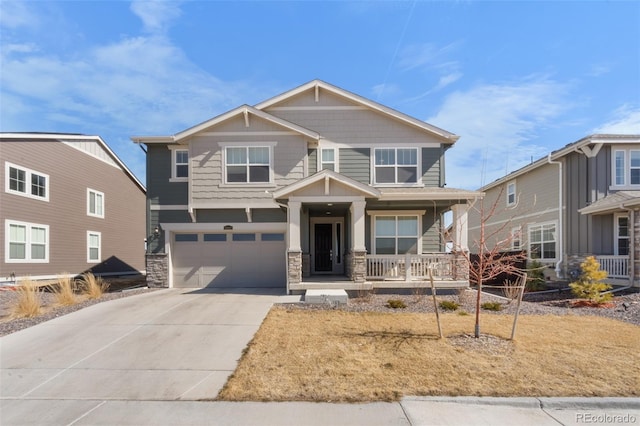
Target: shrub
[[396, 304], [590, 286], [448, 305], [63, 290], [29, 301], [93, 287], [491, 306], [535, 276]]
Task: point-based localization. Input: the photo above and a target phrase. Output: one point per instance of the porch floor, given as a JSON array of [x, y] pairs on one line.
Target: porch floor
[[342, 282]]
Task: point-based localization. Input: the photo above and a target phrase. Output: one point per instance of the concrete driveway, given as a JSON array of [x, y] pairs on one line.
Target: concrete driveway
[[164, 345]]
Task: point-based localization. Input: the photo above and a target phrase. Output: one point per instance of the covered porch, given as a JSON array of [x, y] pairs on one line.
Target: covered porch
[[332, 241]]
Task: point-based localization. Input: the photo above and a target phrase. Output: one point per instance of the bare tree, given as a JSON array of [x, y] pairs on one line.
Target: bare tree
[[494, 255]]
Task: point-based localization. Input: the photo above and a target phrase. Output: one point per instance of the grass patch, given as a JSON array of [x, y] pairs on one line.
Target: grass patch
[[316, 355], [64, 291], [491, 306], [29, 301], [93, 287], [448, 305]]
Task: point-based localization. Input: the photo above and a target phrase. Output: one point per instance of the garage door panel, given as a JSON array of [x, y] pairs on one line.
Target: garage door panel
[[249, 262]]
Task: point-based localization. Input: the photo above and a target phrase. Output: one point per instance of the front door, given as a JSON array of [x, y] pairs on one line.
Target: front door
[[323, 247], [327, 242]]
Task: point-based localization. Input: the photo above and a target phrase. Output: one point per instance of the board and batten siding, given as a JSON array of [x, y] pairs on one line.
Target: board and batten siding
[[71, 172]]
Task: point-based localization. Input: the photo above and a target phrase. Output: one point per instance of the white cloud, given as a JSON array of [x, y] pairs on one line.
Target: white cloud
[[626, 120], [494, 122], [428, 55], [16, 14], [156, 15]]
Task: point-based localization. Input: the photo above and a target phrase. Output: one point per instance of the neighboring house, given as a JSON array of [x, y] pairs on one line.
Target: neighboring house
[[314, 187], [67, 205], [581, 200]]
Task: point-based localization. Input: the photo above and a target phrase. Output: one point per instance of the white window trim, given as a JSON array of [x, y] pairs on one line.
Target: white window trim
[[89, 234], [28, 242], [373, 166], [225, 145], [626, 184], [89, 213], [28, 173], [174, 151], [516, 235], [512, 184], [335, 158], [375, 213], [557, 237], [616, 232]]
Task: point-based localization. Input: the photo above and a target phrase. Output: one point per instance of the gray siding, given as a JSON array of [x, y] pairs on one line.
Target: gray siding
[[157, 217], [71, 172], [159, 189], [313, 161], [355, 163], [431, 160]]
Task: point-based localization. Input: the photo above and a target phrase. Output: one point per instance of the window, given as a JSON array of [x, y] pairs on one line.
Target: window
[[180, 169], [511, 194], [26, 242], [249, 164], [272, 237], [626, 167], [215, 237], [542, 241], [244, 237], [395, 165], [93, 247], [516, 238], [26, 182], [95, 203], [186, 237], [622, 236], [328, 159], [396, 234]]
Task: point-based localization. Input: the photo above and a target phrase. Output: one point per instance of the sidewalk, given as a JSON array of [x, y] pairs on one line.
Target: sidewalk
[[410, 411]]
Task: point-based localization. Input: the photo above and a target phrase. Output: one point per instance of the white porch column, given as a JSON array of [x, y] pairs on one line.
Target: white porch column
[[460, 227], [293, 226], [357, 225]]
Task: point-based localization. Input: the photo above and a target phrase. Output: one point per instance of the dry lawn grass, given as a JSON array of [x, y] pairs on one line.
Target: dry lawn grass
[[316, 355]]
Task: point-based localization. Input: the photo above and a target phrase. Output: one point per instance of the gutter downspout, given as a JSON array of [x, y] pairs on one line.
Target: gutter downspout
[[560, 216]]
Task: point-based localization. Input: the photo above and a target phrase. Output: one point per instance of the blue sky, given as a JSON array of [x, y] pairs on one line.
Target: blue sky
[[514, 79]]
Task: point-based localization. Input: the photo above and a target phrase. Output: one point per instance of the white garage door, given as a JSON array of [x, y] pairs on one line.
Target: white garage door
[[229, 260]]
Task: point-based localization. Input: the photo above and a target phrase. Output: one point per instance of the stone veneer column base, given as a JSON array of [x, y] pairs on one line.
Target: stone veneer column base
[[294, 267], [358, 266], [157, 265]]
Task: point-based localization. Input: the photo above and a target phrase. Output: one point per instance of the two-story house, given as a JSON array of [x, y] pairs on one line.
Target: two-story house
[[580, 200], [314, 183], [67, 205]]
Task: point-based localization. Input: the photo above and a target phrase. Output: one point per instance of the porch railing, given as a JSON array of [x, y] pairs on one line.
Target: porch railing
[[616, 266], [394, 267]]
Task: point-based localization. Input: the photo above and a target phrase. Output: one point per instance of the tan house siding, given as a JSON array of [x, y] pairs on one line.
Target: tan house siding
[[71, 172]]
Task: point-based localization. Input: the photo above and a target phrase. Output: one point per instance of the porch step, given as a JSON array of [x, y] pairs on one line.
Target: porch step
[[326, 296]]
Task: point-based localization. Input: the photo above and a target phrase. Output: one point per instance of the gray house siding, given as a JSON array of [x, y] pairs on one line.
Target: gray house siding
[[355, 163], [160, 191], [71, 172], [313, 161], [431, 160]]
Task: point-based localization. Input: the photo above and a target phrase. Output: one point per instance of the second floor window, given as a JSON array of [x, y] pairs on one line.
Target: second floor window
[[396, 166], [95, 203], [250, 164], [328, 159], [180, 163], [626, 167], [511, 194], [25, 182]]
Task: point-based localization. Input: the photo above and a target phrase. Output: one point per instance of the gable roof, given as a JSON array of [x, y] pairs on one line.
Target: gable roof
[[319, 84], [73, 137], [583, 146], [366, 190], [245, 110]]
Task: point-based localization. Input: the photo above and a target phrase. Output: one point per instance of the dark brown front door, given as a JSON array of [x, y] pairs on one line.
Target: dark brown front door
[[323, 247]]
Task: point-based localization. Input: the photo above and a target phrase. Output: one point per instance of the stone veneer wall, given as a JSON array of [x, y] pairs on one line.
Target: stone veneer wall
[[294, 267], [357, 266], [157, 270]]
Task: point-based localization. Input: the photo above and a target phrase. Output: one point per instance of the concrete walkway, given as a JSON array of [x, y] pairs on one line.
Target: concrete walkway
[[154, 359]]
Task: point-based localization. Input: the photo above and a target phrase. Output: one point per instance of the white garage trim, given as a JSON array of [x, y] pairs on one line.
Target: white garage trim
[[220, 227]]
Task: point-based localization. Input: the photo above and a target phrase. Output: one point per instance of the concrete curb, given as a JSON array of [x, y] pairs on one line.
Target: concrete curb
[[520, 402], [587, 403]]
